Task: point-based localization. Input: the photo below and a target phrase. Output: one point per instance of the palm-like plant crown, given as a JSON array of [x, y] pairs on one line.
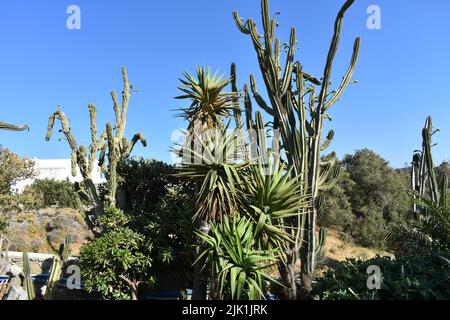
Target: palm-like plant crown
[[209, 102]]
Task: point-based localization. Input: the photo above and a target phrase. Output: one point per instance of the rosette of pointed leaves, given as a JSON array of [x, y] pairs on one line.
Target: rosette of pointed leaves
[[238, 266], [209, 103], [272, 195], [214, 161]]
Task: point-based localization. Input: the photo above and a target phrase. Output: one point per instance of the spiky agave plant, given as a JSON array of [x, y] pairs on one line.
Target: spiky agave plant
[[270, 196], [213, 162], [238, 264]]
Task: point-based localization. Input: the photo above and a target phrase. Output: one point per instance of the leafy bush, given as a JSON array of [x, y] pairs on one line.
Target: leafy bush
[[369, 196], [404, 278], [46, 193], [337, 211], [4, 222], [159, 205], [143, 184], [118, 261]]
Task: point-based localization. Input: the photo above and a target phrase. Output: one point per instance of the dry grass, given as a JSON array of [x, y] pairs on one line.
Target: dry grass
[[43, 231], [337, 249]]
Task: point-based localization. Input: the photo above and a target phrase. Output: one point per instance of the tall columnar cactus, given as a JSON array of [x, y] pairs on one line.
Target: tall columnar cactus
[[58, 263], [299, 114], [423, 175], [28, 285], [111, 145]]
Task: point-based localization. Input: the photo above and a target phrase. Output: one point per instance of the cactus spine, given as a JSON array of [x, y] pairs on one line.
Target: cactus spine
[[112, 139], [58, 263], [28, 285], [299, 115]]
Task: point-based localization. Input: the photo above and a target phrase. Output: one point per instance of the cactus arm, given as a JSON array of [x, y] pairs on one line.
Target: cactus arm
[[268, 32], [113, 159], [331, 54], [94, 146], [125, 101], [248, 108], [28, 285], [73, 163], [116, 107], [258, 98], [348, 75], [58, 263], [331, 182], [321, 240], [241, 26], [53, 279], [277, 54], [137, 137], [443, 192], [101, 159], [65, 125], [255, 36], [234, 88], [327, 141], [10, 127], [288, 70], [428, 159]]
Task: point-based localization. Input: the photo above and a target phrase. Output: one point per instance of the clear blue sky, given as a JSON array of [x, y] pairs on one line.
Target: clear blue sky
[[403, 70]]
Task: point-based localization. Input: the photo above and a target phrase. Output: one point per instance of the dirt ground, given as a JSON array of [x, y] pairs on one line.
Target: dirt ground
[[337, 249]]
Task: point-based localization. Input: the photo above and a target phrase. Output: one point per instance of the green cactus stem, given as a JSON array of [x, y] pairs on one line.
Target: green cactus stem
[[112, 139], [299, 114], [28, 285]]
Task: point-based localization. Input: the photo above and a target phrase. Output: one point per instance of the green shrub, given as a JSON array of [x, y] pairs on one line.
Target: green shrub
[[118, 261], [4, 222], [46, 193], [405, 278], [369, 196], [337, 211]]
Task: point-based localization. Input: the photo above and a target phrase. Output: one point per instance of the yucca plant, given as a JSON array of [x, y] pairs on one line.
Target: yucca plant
[[213, 162], [209, 104], [272, 195], [209, 101], [237, 264]]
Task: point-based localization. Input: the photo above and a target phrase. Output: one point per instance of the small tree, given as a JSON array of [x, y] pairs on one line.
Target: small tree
[[13, 169], [118, 261], [46, 193]]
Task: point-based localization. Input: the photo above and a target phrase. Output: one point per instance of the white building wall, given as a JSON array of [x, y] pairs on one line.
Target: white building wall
[[57, 169]]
